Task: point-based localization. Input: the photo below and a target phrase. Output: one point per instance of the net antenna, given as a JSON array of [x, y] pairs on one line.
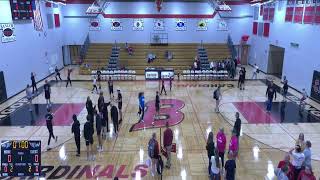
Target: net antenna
[[98, 7], [219, 5]]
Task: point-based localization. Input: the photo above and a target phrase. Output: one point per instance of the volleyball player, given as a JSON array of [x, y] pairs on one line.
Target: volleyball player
[[49, 118]]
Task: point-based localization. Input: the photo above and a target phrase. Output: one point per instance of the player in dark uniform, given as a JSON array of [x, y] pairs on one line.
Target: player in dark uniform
[[105, 120], [163, 88], [68, 77], [120, 105], [47, 92], [270, 93], [99, 79], [76, 131], [110, 85], [100, 101], [49, 118], [57, 74], [114, 117], [170, 82], [88, 136], [157, 104], [98, 129], [89, 106], [33, 82]]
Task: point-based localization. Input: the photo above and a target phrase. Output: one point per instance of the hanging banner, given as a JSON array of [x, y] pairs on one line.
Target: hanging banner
[[289, 10], [309, 11], [317, 17], [116, 25], [222, 25], [202, 25], [7, 33], [271, 11], [159, 25], [37, 21], [298, 11], [138, 25], [265, 12], [181, 25], [94, 24]]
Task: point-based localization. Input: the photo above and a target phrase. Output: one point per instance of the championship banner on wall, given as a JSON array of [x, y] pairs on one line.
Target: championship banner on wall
[[222, 25], [7, 33], [289, 10], [315, 88], [181, 25], [159, 25], [94, 24], [309, 11], [298, 11], [265, 12], [202, 25], [37, 21], [271, 11], [138, 25], [317, 16], [116, 25]]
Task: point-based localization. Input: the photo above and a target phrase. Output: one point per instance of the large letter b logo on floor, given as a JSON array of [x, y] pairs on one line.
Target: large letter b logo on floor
[[169, 112]]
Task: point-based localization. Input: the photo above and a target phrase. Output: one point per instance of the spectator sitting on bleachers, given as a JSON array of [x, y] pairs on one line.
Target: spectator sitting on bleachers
[[129, 49], [151, 57], [168, 55], [211, 65]]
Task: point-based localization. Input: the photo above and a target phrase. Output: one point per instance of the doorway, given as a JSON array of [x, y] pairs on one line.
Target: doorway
[[275, 62]]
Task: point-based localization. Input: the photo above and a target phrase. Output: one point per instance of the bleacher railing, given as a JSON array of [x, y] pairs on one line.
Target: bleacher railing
[[231, 47], [84, 48]]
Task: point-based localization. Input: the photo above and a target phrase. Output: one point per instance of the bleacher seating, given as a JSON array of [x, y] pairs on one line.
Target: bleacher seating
[[183, 56]]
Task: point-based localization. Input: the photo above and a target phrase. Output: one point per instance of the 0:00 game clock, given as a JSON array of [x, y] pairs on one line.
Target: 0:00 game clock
[[20, 158]]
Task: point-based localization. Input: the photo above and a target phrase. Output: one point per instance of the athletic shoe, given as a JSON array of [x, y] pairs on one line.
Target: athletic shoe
[[56, 138], [48, 148]]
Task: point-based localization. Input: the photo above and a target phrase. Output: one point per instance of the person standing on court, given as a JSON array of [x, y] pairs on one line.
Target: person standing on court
[[153, 152], [76, 131], [100, 101], [49, 118], [33, 82], [170, 82], [167, 143], [88, 136], [110, 85], [270, 93], [141, 106], [217, 96], [114, 117], [221, 144], [230, 167], [68, 77], [163, 88], [99, 79], [89, 107], [210, 150], [94, 85], [234, 144], [47, 92], [255, 71], [119, 105], [105, 120], [157, 104], [285, 88], [29, 96], [237, 125], [297, 162], [98, 129], [57, 74]]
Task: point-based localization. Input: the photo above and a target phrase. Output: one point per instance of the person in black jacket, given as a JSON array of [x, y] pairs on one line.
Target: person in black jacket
[[76, 131], [210, 149], [114, 117], [270, 93], [98, 129], [57, 74], [33, 82], [49, 118], [237, 125], [47, 92], [89, 107], [88, 136], [100, 102], [163, 88], [157, 104], [120, 105], [105, 119]]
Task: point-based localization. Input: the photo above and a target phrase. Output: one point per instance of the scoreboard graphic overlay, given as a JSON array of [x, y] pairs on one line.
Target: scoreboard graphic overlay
[[20, 158]]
